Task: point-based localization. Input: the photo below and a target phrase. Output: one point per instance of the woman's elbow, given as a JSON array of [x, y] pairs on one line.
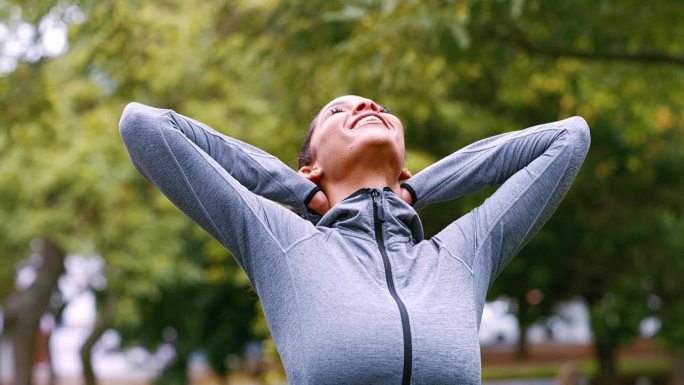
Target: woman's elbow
[[136, 121], [578, 129], [139, 129]]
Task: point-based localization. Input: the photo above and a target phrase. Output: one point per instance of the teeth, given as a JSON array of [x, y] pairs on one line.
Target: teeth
[[368, 119]]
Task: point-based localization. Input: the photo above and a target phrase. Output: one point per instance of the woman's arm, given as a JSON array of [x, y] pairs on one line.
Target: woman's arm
[[536, 166], [485, 163], [188, 162], [257, 170]]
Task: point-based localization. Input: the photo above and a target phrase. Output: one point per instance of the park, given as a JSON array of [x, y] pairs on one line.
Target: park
[[86, 240]]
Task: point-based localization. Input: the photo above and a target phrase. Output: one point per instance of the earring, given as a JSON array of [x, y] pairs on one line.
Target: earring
[[316, 172]]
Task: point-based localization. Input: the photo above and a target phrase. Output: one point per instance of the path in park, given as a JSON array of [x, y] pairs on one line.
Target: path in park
[[548, 381]]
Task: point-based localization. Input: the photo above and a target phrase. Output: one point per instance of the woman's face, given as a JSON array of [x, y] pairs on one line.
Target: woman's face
[[352, 129]]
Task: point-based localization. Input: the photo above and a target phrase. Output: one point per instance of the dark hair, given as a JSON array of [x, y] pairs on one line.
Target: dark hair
[[307, 154]]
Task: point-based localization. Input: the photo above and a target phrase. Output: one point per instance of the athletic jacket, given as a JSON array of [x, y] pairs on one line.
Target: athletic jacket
[[358, 296]]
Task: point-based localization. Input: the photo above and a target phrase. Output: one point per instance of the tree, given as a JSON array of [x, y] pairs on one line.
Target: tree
[[24, 309], [65, 174]]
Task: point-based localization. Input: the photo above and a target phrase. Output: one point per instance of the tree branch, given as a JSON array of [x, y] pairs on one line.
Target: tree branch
[[521, 40]]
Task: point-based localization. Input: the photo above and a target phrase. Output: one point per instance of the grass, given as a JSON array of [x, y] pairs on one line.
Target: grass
[[626, 367]]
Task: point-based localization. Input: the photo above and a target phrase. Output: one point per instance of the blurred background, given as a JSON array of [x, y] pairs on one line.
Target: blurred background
[[103, 281]]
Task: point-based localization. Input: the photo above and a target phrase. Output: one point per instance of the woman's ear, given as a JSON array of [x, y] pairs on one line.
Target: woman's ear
[[405, 174], [313, 174]]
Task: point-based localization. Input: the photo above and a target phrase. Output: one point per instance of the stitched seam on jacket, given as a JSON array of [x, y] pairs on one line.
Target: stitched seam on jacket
[[187, 182], [248, 153], [303, 349], [355, 235], [493, 145], [194, 147], [442, 244], [300, 240], [567, 164], [495, 223], [397, 239], [470, 269]]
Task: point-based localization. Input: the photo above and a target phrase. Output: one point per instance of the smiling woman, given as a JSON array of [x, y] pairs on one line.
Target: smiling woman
[[351, 290], [356, 143]]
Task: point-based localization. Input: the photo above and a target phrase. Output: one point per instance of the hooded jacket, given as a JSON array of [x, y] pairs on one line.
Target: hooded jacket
[[358, 296]]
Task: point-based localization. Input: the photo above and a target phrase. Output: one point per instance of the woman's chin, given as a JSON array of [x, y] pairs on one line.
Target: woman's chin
[[374, 136]]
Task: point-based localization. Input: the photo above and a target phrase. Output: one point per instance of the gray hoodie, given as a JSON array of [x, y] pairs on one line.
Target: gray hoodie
[[358, 296]]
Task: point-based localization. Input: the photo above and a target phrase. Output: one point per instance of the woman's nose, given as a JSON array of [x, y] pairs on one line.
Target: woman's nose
[[366, 105]]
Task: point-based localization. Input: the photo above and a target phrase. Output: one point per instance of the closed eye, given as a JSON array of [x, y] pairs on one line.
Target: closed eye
[[335, 109]]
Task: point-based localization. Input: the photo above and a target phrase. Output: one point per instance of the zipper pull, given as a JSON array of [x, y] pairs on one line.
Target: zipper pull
[[378, 207], [381, 208]]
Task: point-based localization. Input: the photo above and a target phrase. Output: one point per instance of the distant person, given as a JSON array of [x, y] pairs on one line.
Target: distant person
[[570, 374], [352, 292]]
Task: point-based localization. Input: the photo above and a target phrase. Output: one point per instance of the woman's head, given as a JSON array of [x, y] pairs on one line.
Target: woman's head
[[350, 136]]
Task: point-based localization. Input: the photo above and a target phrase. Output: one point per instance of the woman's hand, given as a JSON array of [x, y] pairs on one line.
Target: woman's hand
[[406, 196], [319, 203]]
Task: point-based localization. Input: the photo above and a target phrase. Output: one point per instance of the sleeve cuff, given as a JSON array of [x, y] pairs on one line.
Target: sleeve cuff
[[309, 197], [411, 191]]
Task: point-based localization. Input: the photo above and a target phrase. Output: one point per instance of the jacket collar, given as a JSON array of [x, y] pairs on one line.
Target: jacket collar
[[355, 214]]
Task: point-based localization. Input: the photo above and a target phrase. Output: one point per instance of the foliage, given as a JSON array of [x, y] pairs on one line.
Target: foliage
[[453, 71]]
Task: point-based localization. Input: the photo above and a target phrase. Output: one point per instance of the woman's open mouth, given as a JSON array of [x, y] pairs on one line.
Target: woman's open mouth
[[367, 119]]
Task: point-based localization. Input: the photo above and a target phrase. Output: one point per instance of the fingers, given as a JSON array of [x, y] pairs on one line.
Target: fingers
[[405, 195], [319, 203]]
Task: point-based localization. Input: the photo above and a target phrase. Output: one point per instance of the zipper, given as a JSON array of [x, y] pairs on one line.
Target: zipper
[[379, 216]]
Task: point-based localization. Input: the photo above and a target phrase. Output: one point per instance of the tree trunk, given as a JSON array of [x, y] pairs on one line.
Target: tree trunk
[[58, 311], [604, 347], [23, 340], [177, 372], [103, 322], [522, 350], [52, 380], [24, 309], [605, 354], [677, 375]]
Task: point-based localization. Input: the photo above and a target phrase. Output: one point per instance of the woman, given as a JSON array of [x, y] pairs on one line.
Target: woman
[[357, 296]]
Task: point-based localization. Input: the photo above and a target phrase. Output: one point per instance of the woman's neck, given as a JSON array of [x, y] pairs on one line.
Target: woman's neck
[[336, 191]]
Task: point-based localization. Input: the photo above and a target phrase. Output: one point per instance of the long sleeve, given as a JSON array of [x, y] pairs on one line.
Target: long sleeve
[[257, 170], [490, 161], [201, 172], [535, 168]]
